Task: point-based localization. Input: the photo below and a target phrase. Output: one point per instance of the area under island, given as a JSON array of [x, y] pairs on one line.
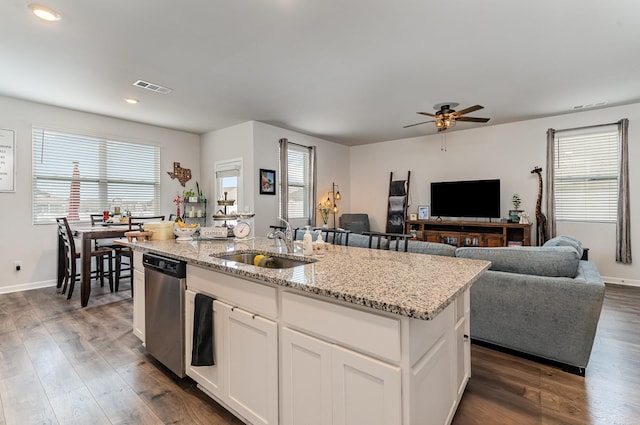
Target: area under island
[[355, 336]]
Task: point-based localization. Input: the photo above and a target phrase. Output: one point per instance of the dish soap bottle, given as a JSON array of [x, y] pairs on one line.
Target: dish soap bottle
[[307, 243]]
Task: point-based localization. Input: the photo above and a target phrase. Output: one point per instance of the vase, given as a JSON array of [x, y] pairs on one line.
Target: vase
[[513, 216]]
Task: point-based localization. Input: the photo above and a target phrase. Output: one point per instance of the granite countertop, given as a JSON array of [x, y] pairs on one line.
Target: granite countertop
[[408, 284]]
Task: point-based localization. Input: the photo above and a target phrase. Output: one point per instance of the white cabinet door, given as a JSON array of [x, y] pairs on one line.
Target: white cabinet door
[[138, 304], [251, 364], [306, 379], [209, 377], [365, 391], [463, 349], [138, 296]]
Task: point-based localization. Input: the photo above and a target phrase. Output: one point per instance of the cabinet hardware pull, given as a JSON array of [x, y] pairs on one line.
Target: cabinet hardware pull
[[253, 316]]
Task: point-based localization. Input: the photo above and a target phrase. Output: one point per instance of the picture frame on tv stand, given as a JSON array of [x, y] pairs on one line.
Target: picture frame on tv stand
[[423, 212]]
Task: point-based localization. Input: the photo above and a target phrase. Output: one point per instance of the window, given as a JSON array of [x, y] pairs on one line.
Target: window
[[228, 180], [586, 174], [75, 176], [297, 189]]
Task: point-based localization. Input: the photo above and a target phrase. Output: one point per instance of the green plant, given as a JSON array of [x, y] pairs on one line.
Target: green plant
[[189, 193], [516, 201]]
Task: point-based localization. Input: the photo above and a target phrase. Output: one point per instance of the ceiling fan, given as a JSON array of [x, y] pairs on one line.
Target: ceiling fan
[[446, 116]]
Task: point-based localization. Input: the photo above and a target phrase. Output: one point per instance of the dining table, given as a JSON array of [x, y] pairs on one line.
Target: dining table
[[87, 236]]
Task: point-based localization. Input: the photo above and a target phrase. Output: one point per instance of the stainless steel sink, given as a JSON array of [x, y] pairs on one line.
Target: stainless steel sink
[[270, 261]]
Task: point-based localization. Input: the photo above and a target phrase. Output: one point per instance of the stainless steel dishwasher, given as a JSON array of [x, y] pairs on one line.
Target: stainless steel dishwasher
[[165, 283]]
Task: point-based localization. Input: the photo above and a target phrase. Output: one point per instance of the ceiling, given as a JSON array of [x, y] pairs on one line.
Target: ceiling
[[349, 71]]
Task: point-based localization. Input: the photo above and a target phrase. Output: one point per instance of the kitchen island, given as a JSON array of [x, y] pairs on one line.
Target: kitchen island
[[358, 336]]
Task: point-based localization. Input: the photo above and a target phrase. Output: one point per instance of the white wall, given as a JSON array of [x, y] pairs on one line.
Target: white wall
[[36, 246], [257, 144], [332, 166], [508, 152], [229, 143]]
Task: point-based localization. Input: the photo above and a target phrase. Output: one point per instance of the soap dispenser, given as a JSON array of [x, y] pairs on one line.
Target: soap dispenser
[[307, 243]]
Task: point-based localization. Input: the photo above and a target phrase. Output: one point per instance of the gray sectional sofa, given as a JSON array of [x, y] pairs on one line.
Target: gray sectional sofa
[[541, 301]]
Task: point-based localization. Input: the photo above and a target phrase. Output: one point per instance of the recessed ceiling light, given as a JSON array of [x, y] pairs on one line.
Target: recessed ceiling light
[[131, 100], [44, 13]]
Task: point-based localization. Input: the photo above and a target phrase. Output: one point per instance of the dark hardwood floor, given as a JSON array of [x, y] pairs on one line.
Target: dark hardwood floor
[[61, 364]]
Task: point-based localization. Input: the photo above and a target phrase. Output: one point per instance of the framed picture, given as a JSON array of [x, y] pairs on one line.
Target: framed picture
[[267, 182], [423, 212], [7, 160], [413, 216]]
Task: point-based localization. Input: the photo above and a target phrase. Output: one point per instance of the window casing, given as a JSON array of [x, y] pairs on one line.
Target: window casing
[[297, 183], [586, 174], [75, 176], [228, 179]]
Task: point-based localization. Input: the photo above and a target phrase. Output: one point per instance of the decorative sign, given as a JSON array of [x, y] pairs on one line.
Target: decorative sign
[[182, 174], [7, 163]]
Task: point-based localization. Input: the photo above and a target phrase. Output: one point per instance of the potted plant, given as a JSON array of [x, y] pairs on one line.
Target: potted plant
[[190, 196], [201, 197], [514, 213]]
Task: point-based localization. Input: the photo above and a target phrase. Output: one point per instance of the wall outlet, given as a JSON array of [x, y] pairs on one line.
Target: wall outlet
[[18, 265]]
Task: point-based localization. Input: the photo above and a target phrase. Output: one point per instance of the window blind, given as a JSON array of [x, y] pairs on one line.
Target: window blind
[[586, 174], [75, 175], [299, 181]]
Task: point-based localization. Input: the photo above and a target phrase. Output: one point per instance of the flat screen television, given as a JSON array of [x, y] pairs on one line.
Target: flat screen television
[[471, 198]]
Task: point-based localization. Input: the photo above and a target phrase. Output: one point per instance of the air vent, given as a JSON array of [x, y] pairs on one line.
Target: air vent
[[589, 106], [153, 87]]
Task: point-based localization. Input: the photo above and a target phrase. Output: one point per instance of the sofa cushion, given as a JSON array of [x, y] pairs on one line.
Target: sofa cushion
[[565, 241], [420, 247], [551, 261]]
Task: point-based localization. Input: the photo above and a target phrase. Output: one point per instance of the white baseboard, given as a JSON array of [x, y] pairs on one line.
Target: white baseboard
[[27, 286], [619, 281]]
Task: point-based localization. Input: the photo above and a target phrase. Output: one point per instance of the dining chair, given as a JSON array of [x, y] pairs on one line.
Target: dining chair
[[103, 243], [333, 236], [389, 237], [71, 274], [126, 254]]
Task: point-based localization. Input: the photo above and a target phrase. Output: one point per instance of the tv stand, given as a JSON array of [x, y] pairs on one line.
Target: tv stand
[[471, 233]]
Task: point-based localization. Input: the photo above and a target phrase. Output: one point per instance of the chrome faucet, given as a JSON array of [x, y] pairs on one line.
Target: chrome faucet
[[279, 234], [286, 236]]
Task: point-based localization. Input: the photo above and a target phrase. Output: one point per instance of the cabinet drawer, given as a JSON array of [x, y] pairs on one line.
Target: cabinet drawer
[[253, 296], [493, 240], [365, 332]]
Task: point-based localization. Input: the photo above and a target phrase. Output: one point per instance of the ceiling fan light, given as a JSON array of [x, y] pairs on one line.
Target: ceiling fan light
[[44, 13]]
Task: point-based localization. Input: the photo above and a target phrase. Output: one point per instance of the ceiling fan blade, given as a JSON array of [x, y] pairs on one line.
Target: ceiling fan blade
[[427, 114], [472, 119], [467, 110], [406, 126]]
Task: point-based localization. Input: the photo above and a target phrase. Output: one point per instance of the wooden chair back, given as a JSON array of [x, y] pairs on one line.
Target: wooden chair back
[[389, 237], [136, 222]]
